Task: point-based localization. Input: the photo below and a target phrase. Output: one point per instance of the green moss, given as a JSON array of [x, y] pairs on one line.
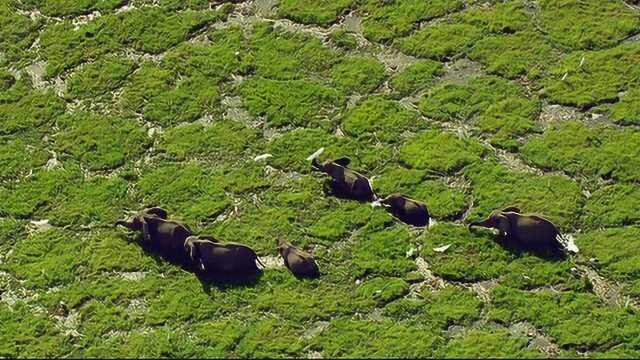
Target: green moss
[[379, 119], [416, 77], [221, 140], [575, 320], [31, 110], [627, 110], [62, 8], [495, 187], [148, 29], [24, 332], [392, 19], [614, 205], [290, 102], [443, 201], [344, 39], [191, 99], [587, 78], [99, 78], [145, 84], [382, 290], [358, 74], [616, 252], [383, 251], [101, 142], [184, 190], [590, 150], [504, 17], [17, 33], [496, 343], [361, 338], [19, 157], [498, 107], [280, 54], [441, 41], [440, 151], [588, 24], [291, 150], [524, 53], [321, 13]]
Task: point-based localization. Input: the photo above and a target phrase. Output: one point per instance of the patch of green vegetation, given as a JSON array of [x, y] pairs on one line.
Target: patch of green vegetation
[[574, 320], [524, 53], [148, 29], [337, 222], [495, 187], [616, 252], [19, 157], [17, 33], [385, 339], [614, 205], [389, 20], [344, 39], [504, 17], [443, 201], [323, 12], [283, 55], [440, 151], [587, 78], [184, 190], [101, 142], [6, 80], [440, 41], [416, 77], [627, 110], [23, 331], [383, 252], [291, 150], [222, 140], [358, 74], [270, 338], [99, 78], [588, 24], [31, 110], [62, 8], [191, 99], [494, 343], [379, 119], [591, 150], [223, 55], [499, 107], [382, 290], [290, 102], [10, 232], [145, 84], [108, 250]]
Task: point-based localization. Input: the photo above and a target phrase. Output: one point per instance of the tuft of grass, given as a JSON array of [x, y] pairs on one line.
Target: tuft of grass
[[19, 157], [440, 41], [99, 78], [344, 39], [382, 290], [17, 33], [323, 12], [379, 119], [499, 343], [31, 110], [358, 74], [416, 77], [627, 110], [613, 206], [62, 8]]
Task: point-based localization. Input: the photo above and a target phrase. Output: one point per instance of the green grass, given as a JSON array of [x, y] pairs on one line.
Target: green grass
[[358, 74], [313, 12], [416, 77]]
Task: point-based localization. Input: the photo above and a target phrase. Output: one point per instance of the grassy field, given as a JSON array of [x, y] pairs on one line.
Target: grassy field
[[107, 106]]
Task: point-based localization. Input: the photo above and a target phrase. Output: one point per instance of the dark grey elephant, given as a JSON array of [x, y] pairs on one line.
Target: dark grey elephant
[[345, 183], [300, 263], [215, 258]]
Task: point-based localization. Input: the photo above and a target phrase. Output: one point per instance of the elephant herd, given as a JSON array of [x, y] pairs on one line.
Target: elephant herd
[[206, 255]]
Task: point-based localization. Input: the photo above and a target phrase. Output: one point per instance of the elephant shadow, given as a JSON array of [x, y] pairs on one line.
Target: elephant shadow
[[208, 281]]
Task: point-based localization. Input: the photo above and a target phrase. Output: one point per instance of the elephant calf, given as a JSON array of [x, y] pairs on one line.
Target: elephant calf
[[166, 236], [300, 263], [525, 231], [345, 182], [409, 211], [217, 258]]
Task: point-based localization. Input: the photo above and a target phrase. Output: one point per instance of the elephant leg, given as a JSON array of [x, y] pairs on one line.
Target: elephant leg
[[146, 236]]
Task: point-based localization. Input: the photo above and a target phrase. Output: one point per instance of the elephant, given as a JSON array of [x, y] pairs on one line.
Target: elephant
[[409, 211], [525, 231], [345, 182], [300, 263], [166, 236], [212, 257]]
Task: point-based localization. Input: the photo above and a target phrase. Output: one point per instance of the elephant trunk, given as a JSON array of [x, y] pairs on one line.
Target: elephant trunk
[[127, 224], [316, 165], [475, 223]]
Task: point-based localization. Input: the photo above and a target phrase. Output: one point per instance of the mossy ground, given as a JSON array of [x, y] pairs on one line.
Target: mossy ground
[[107, 106]]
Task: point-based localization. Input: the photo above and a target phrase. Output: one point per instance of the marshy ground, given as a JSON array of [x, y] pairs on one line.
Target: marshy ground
[[468, 105]]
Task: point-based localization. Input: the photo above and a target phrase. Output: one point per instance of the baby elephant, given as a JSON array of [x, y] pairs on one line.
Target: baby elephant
[[525, 231], [216, 258], [345, 182], [300, 263], [409, 211], [166, 236]]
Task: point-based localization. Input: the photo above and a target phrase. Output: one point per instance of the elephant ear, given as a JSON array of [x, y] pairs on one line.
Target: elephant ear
[[343, 161], [504, 225], [512, 209]]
